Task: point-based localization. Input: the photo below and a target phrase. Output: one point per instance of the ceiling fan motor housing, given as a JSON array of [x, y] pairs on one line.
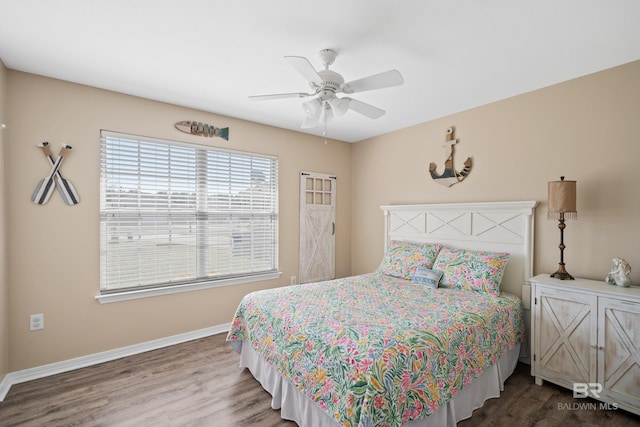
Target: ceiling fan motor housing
[[331, 83]]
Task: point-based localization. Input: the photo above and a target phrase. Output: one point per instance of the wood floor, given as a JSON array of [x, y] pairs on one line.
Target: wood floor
[[199, 383]]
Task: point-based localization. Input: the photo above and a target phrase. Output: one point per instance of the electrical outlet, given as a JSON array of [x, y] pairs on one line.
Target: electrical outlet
[[293, 280], [36, 322]]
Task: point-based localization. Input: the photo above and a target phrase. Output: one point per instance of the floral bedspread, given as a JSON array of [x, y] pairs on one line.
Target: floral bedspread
[[374, 350]]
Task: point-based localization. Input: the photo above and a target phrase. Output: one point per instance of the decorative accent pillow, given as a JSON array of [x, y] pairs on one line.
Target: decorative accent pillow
[[427, 277], [402, 258], [474, 270]]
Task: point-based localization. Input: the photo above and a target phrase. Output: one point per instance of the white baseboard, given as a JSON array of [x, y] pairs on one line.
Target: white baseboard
[[93, 359]]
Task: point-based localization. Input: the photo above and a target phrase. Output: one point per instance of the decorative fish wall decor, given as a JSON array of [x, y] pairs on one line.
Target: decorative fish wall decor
[[450, 176], [202, 129]]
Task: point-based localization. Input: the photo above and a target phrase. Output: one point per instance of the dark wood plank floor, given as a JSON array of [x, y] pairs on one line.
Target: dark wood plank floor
[[199, 383]]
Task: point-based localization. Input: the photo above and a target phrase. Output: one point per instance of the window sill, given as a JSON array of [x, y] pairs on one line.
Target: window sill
[[146, 293]]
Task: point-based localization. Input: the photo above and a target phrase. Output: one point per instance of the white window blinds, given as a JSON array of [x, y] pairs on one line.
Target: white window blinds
[[174, 213]]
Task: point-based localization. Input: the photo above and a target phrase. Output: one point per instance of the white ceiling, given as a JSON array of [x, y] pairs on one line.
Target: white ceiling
[[212, 54]]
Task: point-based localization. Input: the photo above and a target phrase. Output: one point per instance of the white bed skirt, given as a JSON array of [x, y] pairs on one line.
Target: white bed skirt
[[296, 406]]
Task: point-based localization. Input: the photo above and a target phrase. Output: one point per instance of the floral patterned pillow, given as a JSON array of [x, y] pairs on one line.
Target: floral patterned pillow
[[473, 270], [402, 258]]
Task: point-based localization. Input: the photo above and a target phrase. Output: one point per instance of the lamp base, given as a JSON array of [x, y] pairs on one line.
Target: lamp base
[[561, 273]]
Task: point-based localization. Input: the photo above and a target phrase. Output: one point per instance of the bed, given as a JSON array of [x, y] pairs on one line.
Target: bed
[[388, 347]]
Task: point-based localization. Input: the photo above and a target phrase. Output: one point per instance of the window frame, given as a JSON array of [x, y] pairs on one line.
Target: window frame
[[164, 288]]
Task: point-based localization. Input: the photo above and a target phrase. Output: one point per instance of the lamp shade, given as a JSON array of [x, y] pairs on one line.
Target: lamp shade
[[562, 199]]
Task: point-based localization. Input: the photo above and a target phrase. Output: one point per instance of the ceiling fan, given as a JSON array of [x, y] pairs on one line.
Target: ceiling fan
[[326, 84]]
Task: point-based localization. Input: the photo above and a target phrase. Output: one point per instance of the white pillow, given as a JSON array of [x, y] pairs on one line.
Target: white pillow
[[427, 277]]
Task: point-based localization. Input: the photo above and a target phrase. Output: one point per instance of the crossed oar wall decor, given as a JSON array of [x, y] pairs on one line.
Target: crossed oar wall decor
[[47, 185]]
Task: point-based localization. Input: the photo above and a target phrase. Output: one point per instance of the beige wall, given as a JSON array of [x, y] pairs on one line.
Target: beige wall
[[4, 286], [54, 249], [585, 129]]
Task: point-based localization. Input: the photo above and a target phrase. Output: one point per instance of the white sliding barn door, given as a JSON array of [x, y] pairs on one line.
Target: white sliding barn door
[[317, 227]]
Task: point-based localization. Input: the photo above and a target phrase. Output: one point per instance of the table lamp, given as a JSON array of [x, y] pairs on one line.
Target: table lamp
[[562, 205]]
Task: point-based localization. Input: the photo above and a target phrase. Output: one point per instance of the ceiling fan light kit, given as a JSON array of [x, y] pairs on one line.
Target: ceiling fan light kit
[[326, 84], [312, 108], [339, 105]]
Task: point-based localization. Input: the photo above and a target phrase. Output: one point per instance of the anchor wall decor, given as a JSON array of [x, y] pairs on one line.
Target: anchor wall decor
[[450, 176]]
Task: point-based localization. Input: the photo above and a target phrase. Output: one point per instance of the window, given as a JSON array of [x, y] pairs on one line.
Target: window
[[175, 214]]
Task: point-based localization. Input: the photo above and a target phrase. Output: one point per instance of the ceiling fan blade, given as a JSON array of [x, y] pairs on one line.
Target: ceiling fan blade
[[377, 81], [280, 96], [305, 68], [365, 109]]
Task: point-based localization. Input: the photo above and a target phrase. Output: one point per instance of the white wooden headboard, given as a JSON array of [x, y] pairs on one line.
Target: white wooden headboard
[[491, 226]]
